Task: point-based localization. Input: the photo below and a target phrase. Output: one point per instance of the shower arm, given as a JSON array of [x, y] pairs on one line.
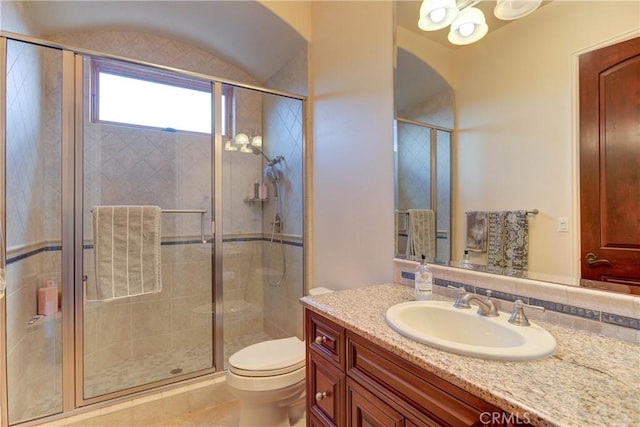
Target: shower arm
[[270, 162], [253, 147]]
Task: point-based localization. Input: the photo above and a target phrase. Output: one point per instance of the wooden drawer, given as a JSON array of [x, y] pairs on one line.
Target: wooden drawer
[[365, 409], [325, 390], [421, 396], [326, 337]]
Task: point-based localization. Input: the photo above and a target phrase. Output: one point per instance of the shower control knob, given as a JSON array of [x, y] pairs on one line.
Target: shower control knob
[[320, 339], [321, 396]]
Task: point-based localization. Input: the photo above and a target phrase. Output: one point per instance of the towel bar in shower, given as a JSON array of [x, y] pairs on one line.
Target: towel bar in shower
[[188, 211]]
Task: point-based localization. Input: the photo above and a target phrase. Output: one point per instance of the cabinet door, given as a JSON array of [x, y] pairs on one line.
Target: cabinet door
[[366, 410], [315, 422], [325, 391]]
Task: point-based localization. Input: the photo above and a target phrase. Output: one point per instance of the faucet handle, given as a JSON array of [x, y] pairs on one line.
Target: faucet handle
[[517, 316], [461, 293]]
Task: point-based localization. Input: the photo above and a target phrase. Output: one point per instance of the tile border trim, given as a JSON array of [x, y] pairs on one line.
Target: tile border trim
[[54, 248]]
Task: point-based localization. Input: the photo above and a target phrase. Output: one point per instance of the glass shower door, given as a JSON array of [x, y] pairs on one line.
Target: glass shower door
[[262, 219], [154, 159], [33, 230]]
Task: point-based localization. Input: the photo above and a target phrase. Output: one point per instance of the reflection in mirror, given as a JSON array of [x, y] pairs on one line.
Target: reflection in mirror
[[516, 143], [423, 161]]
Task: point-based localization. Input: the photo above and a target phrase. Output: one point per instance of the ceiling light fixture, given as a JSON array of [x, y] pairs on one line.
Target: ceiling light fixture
[[468, 27], [513, 9], [468, 24], [437, 14]]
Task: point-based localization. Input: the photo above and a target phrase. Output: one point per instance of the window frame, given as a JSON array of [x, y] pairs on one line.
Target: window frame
[[139, 72]]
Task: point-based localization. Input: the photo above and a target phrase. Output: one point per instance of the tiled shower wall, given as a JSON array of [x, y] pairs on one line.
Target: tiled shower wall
[[130, 166], [172, 170], [284, 131]]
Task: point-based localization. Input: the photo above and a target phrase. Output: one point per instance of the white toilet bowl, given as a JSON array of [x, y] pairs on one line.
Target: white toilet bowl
[[268, 378]]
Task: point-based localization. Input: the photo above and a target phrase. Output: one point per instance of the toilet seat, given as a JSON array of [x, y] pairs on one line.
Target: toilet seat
[[269, 358]]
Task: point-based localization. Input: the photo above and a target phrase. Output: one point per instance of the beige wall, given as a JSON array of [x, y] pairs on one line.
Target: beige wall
[[440, 58], [352, 97], [515, 95], [516, 121], [296, 13]]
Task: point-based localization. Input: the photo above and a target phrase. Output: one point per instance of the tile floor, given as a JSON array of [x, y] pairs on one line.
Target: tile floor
[[224, 415]]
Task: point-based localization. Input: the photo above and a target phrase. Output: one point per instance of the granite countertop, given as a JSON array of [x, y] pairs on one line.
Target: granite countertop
[[590, 380]]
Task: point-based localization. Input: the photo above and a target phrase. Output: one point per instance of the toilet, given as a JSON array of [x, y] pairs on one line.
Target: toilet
[[268, 378]]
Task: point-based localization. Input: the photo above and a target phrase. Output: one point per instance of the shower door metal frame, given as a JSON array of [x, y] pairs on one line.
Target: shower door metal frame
[[4, 386], [68, 249], [216, 225], [72, 227]]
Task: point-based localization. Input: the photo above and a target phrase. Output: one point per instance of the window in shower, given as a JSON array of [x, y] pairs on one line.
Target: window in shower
[[132, 95]]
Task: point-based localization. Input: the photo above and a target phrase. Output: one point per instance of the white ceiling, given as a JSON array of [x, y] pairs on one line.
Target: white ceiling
[[228, 28]]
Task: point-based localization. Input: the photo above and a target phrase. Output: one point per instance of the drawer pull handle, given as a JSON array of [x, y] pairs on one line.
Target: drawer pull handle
[[320, 339], [321, 396]]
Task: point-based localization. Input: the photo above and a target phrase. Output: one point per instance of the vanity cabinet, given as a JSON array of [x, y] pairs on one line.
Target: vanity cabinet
[[354, 382]]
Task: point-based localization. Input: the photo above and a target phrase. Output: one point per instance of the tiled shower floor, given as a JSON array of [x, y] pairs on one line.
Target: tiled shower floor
[[129, 373]]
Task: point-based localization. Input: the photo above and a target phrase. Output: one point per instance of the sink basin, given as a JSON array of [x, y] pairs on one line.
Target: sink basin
[[438, 324]]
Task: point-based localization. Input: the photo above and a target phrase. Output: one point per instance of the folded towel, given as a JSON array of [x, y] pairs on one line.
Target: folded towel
[[476, 231], [422, 233], [127, 251], [508, 240]]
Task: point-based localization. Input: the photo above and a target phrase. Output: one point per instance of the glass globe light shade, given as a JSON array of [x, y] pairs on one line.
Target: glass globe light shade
[[468, 27], [242, 139], [436, 14]]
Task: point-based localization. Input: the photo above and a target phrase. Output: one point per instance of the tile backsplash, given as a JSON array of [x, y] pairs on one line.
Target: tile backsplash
[[601, 312]]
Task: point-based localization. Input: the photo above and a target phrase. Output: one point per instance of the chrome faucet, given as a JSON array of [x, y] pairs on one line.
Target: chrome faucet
[[518, 317], [486, 307]]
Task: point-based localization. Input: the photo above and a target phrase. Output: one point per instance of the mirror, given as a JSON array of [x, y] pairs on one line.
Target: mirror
[[515, 139], [422, 155]]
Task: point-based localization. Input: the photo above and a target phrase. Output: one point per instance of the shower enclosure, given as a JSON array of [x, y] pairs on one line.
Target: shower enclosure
[[231, 263], [423, 181]]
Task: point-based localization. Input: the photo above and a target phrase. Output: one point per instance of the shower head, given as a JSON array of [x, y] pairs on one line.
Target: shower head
[[275, 160], [251, 145], [270, 174]]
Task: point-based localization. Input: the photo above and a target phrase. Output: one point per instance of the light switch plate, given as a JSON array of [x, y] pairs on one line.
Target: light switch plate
[[563, 224]]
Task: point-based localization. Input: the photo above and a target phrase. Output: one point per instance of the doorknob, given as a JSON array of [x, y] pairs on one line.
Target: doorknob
[[593, 261]]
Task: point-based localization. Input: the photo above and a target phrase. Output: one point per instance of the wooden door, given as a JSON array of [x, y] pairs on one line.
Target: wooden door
[[610, 165]]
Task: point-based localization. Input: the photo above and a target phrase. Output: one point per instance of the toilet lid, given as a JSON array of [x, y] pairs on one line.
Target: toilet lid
[[267, 358]]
